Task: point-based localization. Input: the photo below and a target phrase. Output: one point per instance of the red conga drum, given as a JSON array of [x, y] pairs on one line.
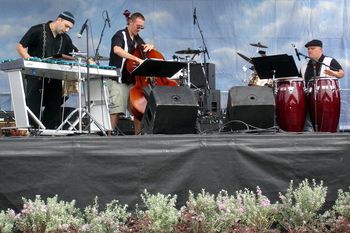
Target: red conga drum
[[324, 104], [290, 104]]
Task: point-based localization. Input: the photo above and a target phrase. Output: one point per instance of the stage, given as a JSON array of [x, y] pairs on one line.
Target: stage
[[81, 167]]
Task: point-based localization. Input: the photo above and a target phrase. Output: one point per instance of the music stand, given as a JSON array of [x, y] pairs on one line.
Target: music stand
[[275, 66], [158, 68]]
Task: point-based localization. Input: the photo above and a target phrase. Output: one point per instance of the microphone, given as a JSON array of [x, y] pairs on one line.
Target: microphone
[[108, 20], [82, 29], [296, 51], [194, 16]]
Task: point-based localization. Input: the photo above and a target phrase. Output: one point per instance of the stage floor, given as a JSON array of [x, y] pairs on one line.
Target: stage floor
[[121, 167]]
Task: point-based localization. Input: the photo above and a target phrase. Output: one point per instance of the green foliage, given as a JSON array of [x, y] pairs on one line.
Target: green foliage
[[161, 212], [52, 216], [342, 204], [107, 221], [299, 207], [299, 210], [7, 221], [258, 213], [222, 213]]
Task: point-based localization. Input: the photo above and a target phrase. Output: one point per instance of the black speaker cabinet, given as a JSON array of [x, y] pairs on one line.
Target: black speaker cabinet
[[197, 75], [214, 101], [250, 108], [170, 110]]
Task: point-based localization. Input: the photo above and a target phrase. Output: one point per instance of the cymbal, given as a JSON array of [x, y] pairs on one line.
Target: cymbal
[[259, 45], [189, 51], [245, 57]]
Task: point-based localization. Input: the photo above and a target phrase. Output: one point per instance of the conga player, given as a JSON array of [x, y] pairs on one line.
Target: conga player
[[318, 67]]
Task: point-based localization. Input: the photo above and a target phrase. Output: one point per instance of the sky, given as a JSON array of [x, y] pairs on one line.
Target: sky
[[224, 26]]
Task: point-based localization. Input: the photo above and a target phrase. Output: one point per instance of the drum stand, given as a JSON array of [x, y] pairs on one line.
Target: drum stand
[[81, 111]]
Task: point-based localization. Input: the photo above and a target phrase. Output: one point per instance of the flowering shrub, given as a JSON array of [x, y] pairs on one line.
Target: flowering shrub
[[342, 204], [200, 213], [7, 221], [299, 207], [53, 216], [224, 213], [160, 211], [298, 211], [258, 213], [110, 220]]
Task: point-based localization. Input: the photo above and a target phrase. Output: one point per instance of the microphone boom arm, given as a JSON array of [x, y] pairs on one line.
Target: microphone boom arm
[[314, 60], [97, 55], [206, 53]]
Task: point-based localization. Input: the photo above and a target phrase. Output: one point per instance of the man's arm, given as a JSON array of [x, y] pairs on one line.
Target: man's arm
[[122, 53], [337, 74], [22, 51]]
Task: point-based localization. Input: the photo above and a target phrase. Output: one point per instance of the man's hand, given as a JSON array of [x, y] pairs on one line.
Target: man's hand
[[148, 47]]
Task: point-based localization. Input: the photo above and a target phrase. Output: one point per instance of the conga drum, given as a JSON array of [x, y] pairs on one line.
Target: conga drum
[[290, 104], [324, 103]]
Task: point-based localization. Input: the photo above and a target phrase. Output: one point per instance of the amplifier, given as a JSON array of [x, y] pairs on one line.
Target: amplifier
[[198, 78]]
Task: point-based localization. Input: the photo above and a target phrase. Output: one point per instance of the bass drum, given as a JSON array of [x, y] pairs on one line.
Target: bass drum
[[324, 104], [290, 104]]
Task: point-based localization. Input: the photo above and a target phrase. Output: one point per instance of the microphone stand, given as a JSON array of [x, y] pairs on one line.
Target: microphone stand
[[88, 74], [97, 55], [205, 69]]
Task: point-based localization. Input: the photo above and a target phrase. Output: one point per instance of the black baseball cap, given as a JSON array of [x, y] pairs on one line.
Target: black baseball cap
[[314, 43]]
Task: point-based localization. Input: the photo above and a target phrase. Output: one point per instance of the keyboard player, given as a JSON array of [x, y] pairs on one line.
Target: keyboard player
[[46, 40]]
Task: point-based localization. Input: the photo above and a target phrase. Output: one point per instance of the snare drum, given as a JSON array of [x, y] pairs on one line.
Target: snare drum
[[290, 104], [324, 104]]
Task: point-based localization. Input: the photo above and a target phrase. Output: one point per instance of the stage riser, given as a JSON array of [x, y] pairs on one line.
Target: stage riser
[[80, 167]]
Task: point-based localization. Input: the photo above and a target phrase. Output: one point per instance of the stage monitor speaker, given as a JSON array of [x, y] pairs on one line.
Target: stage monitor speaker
[[197, 75], [250, 107], [170, 110]]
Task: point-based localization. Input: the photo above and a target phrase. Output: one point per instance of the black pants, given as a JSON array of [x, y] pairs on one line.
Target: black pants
[[52, 100]]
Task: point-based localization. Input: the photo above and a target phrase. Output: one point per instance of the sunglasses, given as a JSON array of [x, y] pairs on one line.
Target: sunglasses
[[140, 27]]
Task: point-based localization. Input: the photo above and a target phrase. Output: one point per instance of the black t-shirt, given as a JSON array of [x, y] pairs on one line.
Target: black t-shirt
[[115, 60], [309, 72], [35, 37]]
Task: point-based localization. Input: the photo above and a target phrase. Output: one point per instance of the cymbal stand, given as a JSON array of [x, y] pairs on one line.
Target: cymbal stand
[[81, 111], [188, 72]]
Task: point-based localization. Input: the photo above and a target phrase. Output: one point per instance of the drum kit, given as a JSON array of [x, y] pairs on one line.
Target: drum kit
[[255, 80], [183, 77], [293, 99]]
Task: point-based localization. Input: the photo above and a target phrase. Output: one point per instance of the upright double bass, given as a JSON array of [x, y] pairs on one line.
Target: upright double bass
[[137, 98]]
